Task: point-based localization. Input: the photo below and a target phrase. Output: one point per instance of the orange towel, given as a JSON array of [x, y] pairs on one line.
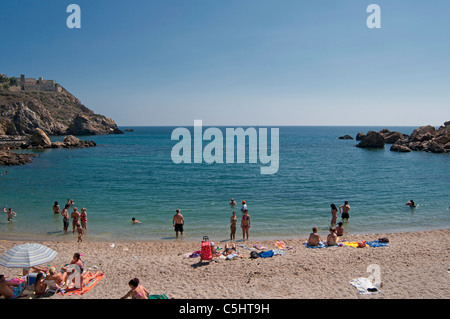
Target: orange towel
[[92, 278]]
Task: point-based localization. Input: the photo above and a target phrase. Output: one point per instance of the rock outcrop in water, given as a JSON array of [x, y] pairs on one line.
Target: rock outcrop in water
[[425, 138], [372, 140]]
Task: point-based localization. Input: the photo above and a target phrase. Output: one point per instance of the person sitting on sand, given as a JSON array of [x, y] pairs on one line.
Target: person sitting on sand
[[340, 229], [10, 214], [332, 238], [40, 286], [137, 291], [135, 221], [55, 279], [10, 289], [75, 217], [76, 260], [411, 204], [314, 238]]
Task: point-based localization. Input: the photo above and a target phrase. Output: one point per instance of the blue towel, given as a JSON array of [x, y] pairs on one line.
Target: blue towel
[[266, 254], [321, 245], [376, 243]]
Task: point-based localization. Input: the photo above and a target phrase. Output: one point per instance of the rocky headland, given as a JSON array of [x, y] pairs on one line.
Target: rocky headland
[[425, 138], [28, 116]]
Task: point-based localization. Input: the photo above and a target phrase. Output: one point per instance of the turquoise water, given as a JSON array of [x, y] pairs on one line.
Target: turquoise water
[[132, 175]]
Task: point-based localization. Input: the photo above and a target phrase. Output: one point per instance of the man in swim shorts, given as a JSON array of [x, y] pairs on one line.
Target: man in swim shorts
[[178, 222], [10, 214], [345, 209]]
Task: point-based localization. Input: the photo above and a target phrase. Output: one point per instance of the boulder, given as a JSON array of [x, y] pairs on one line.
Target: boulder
[[346, 137], [360, 136], [399, 147], [392, 137], [39, 138], [372, 140], [423, 133], [435, 147]]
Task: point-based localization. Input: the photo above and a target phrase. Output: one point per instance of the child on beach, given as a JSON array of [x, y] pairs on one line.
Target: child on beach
[[137, 291], [10, 214], [80, 232]]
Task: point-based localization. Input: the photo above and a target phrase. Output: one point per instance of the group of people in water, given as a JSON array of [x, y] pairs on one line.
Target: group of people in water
[[79, 219]]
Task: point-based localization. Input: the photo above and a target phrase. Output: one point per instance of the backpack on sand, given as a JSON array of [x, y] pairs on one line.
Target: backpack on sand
[[206, 252]]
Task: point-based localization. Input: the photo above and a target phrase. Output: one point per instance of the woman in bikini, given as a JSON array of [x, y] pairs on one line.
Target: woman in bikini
[[83, 218], [233, 222], [137, 291], [245, 224]]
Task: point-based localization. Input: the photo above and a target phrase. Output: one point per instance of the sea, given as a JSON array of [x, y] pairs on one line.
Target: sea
[[134, 175]]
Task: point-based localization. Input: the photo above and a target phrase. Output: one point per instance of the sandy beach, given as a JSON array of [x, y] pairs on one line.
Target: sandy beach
[[414, 265]]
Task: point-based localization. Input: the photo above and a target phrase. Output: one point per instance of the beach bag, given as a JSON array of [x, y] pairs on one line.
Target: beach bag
[[383, 240], [362, 244], [254, 254], [206, 252]]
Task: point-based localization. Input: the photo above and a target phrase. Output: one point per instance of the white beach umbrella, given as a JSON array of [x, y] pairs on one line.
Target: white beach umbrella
[[27, 256]]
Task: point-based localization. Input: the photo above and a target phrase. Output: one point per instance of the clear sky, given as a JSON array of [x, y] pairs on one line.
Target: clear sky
[[239, 62]]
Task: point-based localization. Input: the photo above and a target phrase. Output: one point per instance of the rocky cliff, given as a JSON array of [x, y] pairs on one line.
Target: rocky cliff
[[56, 113]]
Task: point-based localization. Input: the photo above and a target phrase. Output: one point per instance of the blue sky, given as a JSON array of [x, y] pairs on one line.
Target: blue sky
[[252, 62]]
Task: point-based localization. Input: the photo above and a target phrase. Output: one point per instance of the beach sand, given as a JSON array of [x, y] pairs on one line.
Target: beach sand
[[414, 265]]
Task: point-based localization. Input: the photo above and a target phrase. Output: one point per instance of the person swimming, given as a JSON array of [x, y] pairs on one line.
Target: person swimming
[[411, 204]]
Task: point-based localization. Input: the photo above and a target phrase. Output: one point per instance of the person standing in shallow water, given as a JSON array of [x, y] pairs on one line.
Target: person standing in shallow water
[[233, 222], [65, 215], [245, 224], [333, 214], [345, 209], [178, 222]]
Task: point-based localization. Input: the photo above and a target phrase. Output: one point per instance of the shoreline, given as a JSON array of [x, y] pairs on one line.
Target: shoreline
[[414, 265]]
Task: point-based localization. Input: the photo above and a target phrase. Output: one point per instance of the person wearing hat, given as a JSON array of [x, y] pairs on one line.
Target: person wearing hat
[[244, 206]]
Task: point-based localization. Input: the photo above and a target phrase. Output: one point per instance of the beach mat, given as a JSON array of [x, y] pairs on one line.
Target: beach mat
[[93, 279]]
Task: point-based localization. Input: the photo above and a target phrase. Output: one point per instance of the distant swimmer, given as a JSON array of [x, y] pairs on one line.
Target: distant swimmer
[[10, 213], [345, 209], [232, 202], [135, 221], [411, 204]]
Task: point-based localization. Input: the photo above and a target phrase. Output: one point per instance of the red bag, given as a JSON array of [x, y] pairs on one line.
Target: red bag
[[206, 252]]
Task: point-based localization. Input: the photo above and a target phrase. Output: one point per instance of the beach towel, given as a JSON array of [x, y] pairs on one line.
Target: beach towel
[[158, 297], [320, 245], [92, 280], [18, 290], [280, 245], [260, 247], [364, 286], [376, 243], [266, 254], [351, 243]]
